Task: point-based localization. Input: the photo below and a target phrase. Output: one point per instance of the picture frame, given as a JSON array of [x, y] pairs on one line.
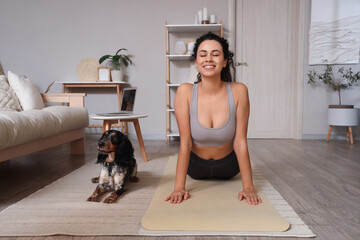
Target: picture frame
[[103, 74]]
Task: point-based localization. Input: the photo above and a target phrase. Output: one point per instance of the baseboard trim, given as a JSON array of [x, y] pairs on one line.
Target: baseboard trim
[[324, 136], [132, 136]]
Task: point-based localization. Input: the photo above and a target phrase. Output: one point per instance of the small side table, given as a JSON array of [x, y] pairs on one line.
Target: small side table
[[109, 120]]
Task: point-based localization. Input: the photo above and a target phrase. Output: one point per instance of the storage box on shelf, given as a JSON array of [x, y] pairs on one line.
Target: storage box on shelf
[[196, 30]]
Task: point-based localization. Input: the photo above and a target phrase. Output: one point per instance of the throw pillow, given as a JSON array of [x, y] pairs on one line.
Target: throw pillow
[[26, 91], [8, 99]]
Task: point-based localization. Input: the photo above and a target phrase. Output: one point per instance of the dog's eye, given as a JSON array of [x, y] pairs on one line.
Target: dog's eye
[[115, 140]]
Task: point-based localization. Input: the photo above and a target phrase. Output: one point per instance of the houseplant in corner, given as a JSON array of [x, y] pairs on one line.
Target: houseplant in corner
[[338, 115], [117, 73]]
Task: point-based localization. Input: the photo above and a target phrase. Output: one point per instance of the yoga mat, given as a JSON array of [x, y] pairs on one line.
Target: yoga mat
[[213, 206]]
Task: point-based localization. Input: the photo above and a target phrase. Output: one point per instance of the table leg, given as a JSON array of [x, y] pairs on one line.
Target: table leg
[[124, 128], [119, 95], [107, 124], [63, 89], [351, 135], [330, 129], [118, 91], [140, 139]]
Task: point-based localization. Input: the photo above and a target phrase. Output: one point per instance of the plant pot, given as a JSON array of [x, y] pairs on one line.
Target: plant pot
[[343, 117], [117, 75]]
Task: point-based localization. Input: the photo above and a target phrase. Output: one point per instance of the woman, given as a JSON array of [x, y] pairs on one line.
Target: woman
[[212, 117]]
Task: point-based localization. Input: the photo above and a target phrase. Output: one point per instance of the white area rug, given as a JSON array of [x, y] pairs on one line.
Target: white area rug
[[61, 208]]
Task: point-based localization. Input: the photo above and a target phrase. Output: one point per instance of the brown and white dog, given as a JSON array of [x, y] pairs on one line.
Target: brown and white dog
[[117, 164]]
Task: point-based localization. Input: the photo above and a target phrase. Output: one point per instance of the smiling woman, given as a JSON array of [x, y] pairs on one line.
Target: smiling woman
[[221, 50], [212, 117]]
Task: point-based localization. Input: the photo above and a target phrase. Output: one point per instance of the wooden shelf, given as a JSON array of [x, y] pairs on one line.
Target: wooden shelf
[[173, 84], [173, 134], [178, 57], [194, 28]]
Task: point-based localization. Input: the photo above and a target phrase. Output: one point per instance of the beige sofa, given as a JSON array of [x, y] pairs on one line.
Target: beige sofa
[[29, 131]]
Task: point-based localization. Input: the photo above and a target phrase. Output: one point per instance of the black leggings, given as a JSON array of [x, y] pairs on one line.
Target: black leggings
[[224, 168]]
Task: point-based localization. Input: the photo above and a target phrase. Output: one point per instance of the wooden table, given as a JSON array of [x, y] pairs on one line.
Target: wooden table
[[67, 86], [118, 85], [108, 121]]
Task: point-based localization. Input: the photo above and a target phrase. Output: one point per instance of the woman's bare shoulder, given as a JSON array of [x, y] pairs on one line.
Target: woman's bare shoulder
[[183, 97], [185, 89], [239, 89], [186, 86]]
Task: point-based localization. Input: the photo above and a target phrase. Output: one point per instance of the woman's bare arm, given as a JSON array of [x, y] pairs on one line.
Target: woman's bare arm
[[240, 143], [182, 109]]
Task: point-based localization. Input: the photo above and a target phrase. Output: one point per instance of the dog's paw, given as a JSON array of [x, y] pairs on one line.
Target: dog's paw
[[110, 199], [93, 198], [95, 180]]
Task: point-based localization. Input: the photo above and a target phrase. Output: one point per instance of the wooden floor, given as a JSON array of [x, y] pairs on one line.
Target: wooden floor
[[320, 180]]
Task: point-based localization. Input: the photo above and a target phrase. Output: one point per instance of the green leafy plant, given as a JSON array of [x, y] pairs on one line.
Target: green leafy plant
[[117, 59], [344, 79]]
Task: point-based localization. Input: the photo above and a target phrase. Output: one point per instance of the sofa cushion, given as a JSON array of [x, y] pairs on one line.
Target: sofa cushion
[[21, 127], [26, 91], [8, 99], [69, 117]]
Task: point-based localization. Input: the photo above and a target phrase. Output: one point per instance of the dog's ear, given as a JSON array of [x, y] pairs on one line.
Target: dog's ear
[[126, 151], [101, 158], [116, 139]]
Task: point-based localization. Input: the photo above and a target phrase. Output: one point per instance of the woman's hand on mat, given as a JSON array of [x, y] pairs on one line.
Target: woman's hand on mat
[[251, 197], [177, 196]]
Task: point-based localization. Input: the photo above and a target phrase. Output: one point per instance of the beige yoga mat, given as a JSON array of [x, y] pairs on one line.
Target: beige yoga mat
[[213, 206]]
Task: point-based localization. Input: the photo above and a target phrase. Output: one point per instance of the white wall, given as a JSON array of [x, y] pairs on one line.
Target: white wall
[[46, 40], [317, 99]]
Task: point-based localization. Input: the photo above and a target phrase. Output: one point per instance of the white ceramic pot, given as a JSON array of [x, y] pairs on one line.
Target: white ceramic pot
[[117, 75], [343, 117]]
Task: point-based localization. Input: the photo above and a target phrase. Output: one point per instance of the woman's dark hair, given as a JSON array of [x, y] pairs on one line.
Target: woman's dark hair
[[228, 55]]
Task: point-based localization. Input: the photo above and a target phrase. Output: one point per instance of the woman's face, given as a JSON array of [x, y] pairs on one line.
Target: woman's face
[[210, 58]]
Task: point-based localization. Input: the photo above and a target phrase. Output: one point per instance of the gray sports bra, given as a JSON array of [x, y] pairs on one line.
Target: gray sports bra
[[212, 136]]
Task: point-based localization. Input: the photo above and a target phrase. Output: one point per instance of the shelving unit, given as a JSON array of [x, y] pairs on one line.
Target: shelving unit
[[196, 30]]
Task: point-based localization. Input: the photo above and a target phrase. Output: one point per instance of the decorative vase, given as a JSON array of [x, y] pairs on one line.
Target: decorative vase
[[117, 75]]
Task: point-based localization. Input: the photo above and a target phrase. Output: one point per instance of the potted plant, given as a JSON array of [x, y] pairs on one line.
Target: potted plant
[[345, 79], [338, 115], [117, 73]]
